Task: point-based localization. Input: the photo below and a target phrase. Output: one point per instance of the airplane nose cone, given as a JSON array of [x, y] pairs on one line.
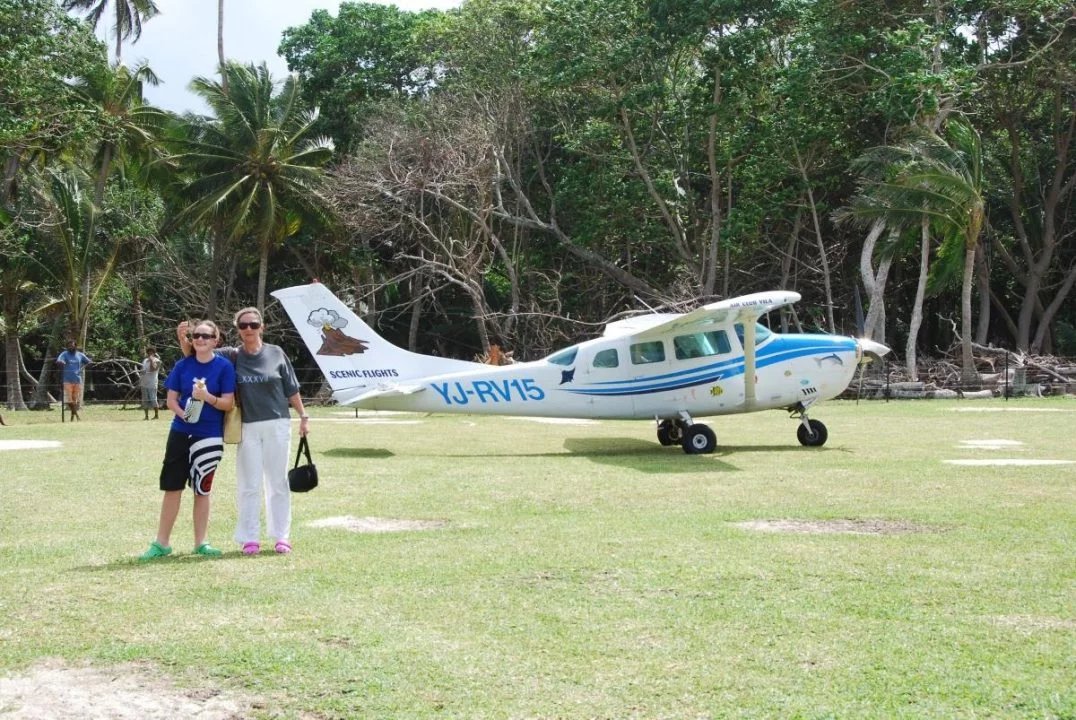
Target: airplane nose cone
[[871, 350]]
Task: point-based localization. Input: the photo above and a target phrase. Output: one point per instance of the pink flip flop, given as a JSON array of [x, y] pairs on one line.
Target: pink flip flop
[[251, 548], [283, 547]]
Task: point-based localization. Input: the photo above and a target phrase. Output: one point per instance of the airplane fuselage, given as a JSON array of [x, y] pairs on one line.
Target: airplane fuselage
[[670, 367], [608, 378]]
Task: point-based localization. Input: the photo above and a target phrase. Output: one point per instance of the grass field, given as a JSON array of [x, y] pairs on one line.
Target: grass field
[[576, 571]]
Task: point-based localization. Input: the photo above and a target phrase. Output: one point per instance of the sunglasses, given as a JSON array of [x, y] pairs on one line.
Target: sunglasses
[[248, 325], [203, 336]]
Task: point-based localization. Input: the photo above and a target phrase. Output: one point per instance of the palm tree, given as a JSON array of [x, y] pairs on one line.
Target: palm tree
[[254, 172], [74, 255], [128, 21], [937, 185], [129, 127]]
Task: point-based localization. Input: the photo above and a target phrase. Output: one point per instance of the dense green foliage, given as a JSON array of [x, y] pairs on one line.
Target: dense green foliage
[[514, 172]]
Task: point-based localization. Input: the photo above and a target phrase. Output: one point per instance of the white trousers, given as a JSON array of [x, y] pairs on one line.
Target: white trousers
[[261, 462]]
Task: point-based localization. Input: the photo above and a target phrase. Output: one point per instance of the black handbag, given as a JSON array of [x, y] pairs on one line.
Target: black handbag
[[303, 478]]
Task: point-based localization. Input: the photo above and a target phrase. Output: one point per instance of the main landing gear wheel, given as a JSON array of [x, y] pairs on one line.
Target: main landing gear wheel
[[699, 440], [670, 432], [815, 437]]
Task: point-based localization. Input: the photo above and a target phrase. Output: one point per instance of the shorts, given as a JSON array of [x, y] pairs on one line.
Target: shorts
[[190, 460], [149, 398], [73, 393]]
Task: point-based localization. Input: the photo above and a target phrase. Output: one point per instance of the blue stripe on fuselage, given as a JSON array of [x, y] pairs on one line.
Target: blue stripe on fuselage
[[781, 348]]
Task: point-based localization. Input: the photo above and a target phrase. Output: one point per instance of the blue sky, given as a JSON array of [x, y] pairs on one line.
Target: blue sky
[[181, 42]]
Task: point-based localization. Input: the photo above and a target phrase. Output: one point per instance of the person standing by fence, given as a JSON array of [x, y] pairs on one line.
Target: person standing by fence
[[147, 380], [73, 360]]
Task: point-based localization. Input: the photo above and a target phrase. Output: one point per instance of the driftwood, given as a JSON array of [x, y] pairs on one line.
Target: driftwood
[[1003, 372]]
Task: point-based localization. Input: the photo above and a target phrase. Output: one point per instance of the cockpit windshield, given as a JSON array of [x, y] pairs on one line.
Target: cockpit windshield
[[564, 357], [761, 333]]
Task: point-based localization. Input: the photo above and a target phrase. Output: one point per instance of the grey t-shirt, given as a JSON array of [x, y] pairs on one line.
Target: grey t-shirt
[[265, 381], [151, 368]]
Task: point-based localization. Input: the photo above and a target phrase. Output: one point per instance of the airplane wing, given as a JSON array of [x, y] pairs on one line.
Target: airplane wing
[[745, 309]]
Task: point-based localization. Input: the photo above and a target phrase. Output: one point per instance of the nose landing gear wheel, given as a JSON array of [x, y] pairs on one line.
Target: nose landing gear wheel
[[817, 435], [699, 440]]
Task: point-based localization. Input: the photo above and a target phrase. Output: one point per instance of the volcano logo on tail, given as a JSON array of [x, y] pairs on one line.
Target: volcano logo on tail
[[334, 342]]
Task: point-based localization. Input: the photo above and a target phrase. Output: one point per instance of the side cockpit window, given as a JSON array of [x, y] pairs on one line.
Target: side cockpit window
[[607, 359], [699, 345]]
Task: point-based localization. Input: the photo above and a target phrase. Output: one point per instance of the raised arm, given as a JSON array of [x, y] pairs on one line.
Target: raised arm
[[184, 341]]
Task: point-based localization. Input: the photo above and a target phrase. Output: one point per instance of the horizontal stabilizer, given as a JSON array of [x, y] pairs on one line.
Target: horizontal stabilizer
[[381, 392]]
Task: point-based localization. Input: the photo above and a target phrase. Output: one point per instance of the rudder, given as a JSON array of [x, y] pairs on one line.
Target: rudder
[[351, 355]]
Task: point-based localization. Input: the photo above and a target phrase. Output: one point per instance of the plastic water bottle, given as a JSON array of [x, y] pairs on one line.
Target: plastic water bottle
[[193, 409]]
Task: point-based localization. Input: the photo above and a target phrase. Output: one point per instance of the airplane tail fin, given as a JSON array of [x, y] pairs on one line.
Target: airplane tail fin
[[354, 358]]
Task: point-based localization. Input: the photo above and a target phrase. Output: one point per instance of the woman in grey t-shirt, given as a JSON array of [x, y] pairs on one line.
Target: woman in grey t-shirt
[[267, 388]]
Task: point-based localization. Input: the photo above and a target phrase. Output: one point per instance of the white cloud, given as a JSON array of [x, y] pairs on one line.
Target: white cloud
[[181, 42]]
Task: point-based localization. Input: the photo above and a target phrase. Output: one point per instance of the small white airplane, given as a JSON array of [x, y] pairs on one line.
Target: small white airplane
[[673, 368]]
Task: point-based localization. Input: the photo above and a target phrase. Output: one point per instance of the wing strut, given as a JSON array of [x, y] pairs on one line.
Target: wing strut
[[749, 365]]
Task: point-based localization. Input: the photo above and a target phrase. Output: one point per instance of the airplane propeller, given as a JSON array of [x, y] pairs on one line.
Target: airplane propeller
[[869, 350]]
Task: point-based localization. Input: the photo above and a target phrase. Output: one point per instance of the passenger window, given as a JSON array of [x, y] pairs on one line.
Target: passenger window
[[647, 352], [702, 345], [687, 347], [607, 359]]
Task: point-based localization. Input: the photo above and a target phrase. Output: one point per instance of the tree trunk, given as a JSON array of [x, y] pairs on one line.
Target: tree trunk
[[790, 251], [969, 374], [709, 284], [416, 321], [672, 222], [11, 171], [916, 320], [874, 284], [102, 176], [214, 270], [983, 275], [40, 400], [1045, 323], [220, 45], [136, 307], [263, 275], [823, 259], [12, 351]]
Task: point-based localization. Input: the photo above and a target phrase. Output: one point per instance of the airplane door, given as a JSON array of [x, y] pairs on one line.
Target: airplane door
[[649, 369], [603, 373]]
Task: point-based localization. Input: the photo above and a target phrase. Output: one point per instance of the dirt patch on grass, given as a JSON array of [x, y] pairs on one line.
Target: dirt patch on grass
[[836, 527], [1008, 462], [989, 444], [54, 690], [28, 444], [378, 525], [1028, 623]]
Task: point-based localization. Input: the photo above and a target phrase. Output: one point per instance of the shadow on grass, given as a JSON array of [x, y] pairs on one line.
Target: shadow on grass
[[630, 453], [365, 453], [652, 458], [186, 558]]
